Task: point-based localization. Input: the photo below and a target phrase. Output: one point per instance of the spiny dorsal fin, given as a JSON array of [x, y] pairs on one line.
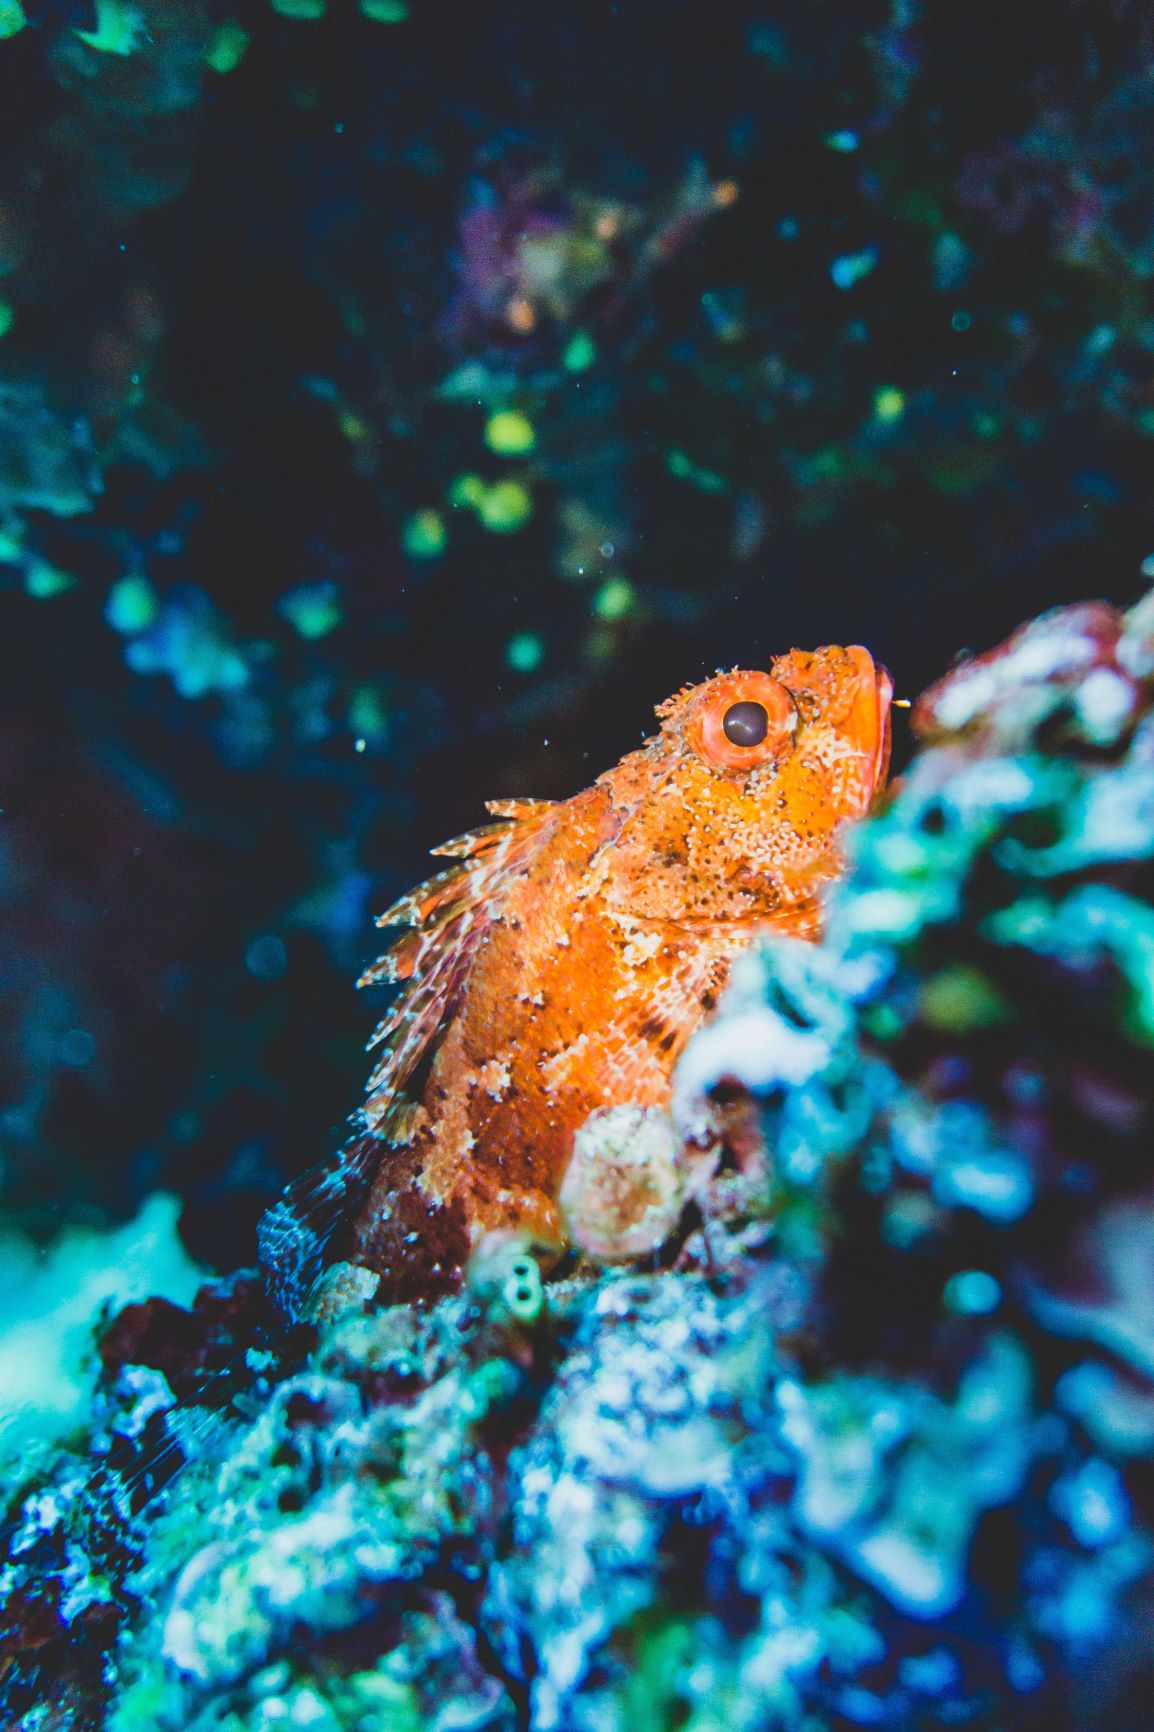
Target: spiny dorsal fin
[[446, 919]]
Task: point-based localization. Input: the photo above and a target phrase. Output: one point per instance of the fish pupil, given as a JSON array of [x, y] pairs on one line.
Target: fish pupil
[[745, 724]]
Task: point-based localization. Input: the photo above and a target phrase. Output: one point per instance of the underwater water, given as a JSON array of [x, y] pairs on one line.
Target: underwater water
[[398, 400]]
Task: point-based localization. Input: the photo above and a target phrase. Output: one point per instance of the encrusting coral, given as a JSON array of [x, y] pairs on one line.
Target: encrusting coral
[[867, 1440]]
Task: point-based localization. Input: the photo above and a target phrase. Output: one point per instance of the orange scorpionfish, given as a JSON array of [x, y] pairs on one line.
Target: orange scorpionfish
[[564, 959]]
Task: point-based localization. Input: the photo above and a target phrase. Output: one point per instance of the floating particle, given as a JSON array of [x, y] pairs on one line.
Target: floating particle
[[43, 581], [12, 18], [1093, 1503], [187, 641], [424, 535], [313, 611], [7, 316], [521, 315], [506, 507], [580, 352], [355, 430], [961, 321], [509, 433], [76, 1048], [227, 48], [367, 716], [615, 599], [843, 141], [961, 998], [525, 652], [131, 605], [972, 1293], [685, 469], [385, 11], [467, 490], [950, 261], [119, 28], [306, 9], [724, 310], [851, 268], [266, 957]]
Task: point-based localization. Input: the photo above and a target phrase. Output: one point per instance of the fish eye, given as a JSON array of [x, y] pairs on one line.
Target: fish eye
[[744, 719], [745, 723]]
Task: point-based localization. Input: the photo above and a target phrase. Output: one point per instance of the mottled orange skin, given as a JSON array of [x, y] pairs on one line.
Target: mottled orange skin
[[565, 961]]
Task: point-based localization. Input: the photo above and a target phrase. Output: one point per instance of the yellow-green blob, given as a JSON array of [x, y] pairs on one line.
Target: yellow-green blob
[[684, 468], [960, 998], [614, 600], [385, 11], [132, 605], [227, 48], [506, 507], [367, 716], [351, 425], [467, 490], [525, 652], [307, 9], [509, 433], [12, 19], [883, 1022], [120, 28], [424, 535], [313, 611], [889, 404], [45, 581], [580, 352]]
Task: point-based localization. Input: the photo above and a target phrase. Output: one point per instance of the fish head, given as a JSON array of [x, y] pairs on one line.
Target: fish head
[[751, 781]]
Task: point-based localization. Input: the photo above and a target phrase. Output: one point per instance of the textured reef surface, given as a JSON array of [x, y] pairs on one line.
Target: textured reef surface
[[867, 1439]]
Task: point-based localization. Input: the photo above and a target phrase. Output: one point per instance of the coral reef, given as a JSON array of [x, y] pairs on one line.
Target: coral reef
[[865, 1439]]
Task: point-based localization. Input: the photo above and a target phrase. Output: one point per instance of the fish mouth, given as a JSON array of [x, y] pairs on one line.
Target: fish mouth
[[870, 718], [884, 692]]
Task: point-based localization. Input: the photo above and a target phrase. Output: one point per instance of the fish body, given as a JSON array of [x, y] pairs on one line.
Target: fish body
[[565, 958]]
